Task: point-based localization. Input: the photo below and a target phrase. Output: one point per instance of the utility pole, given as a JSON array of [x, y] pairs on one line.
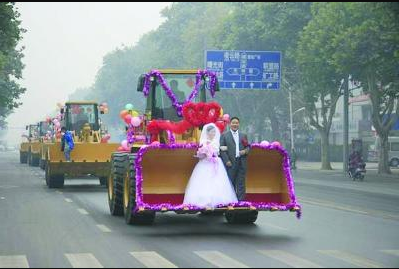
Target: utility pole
[[346, 125], [291, 120]]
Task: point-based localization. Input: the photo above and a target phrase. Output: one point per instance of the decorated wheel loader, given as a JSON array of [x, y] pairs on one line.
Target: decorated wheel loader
[[46, 138], [92, 152], [151, 169], [30, 149]]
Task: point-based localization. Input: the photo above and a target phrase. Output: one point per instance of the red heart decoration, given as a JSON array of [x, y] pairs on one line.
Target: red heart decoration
[[200, 114]]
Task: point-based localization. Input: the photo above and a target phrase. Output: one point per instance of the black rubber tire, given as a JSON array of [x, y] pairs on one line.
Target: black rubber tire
[[35, 161], [394, 163], [54, 181], [23, 158], [237, 217], [103, 181], [29, 158], [115, 183], [42, 164], [132, 218]]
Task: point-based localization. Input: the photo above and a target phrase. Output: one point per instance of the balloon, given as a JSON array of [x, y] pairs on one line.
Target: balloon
[[128, 119], [221, 112], [121, 149], [265, 143], [136, 121], [129, 107], [276, 144], [123, 114], [226, 117], [155, 143], [135, 113], [125, 144]]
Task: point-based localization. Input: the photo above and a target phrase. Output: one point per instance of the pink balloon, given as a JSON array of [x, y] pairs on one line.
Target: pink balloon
[[226, 117], [265, 143], [136, 121], [121, 149], [124, 144], [276, 144], [128, 119]]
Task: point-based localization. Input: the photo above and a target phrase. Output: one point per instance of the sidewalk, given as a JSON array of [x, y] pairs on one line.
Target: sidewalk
[[310, 173]]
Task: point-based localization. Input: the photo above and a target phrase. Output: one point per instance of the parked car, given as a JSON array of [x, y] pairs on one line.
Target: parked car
[[393, 153]]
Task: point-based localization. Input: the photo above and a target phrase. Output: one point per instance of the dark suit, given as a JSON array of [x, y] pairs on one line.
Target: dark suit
[[237, 172]]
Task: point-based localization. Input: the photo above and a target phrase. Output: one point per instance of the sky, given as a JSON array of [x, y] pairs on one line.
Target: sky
[[65, 44]]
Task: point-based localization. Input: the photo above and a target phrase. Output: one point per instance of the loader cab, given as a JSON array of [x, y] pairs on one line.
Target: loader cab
[[33, 131], [182, 83], [77, 115], [44, 127]]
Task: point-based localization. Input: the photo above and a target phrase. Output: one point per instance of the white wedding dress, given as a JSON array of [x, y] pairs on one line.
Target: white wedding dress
[[209, 185]]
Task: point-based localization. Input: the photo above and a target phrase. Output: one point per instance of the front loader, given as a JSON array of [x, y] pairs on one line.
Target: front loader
[[92, 153], [153, 174]]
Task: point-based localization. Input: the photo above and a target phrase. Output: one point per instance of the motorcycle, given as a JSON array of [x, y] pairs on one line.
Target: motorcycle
[[357, 172]]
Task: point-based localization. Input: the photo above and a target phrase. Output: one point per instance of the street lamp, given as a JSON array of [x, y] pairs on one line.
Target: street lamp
[[292, 119]]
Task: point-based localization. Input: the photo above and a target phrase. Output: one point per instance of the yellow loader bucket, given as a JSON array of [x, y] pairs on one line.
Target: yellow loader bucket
[[86, 158], [163, 173], [35, 147], [24, 147]]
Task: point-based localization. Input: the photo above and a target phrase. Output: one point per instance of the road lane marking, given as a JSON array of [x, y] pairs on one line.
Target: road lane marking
[[83, 260], [289, 259], [220, 260], [352, 259], [103, 228], [68, 200], [391, 251], [19, 261], [151, 259], [2, 198], [8, 187], [83, 211], [333, 206]]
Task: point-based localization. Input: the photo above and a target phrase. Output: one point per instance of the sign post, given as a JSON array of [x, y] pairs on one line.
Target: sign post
[[249, 70]]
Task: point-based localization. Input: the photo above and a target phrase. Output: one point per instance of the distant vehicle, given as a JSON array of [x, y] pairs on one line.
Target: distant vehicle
[[393, 153]]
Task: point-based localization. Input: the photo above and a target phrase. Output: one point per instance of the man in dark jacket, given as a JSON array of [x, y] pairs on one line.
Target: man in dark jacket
[[234, 148]]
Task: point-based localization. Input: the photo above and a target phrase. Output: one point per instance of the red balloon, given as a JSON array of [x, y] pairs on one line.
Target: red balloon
[[128, 119], [123, 114]]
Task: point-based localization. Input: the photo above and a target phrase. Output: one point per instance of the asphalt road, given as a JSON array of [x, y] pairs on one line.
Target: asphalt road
[[72, 227]]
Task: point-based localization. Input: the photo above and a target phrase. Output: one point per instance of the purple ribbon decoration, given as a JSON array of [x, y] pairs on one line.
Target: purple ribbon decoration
[[172, 96]]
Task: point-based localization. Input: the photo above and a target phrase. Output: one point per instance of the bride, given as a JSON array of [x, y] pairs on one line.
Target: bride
[[209, 185]]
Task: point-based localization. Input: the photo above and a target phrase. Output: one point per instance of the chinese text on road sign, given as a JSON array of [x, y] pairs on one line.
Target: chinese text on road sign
[[245, 69]]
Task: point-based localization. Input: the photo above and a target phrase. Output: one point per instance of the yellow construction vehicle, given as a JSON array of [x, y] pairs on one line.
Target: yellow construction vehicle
[[30, 150], [152, 176], [91, 155], [46, 138]]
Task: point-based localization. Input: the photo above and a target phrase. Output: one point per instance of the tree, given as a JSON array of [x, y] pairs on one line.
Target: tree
[[321, 83], [264, 26], [10, 58], [368, 48]]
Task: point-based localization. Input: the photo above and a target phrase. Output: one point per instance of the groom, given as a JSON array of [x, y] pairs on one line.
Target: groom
[[234, 148]]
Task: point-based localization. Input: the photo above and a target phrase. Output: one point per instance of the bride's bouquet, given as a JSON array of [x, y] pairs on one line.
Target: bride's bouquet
[[207, 152]]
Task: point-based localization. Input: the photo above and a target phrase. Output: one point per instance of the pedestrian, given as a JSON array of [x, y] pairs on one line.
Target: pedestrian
[[67, 143], [293, 159]]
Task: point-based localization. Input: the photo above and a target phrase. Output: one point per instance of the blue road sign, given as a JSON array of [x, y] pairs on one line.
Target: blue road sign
[[260, 70]]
